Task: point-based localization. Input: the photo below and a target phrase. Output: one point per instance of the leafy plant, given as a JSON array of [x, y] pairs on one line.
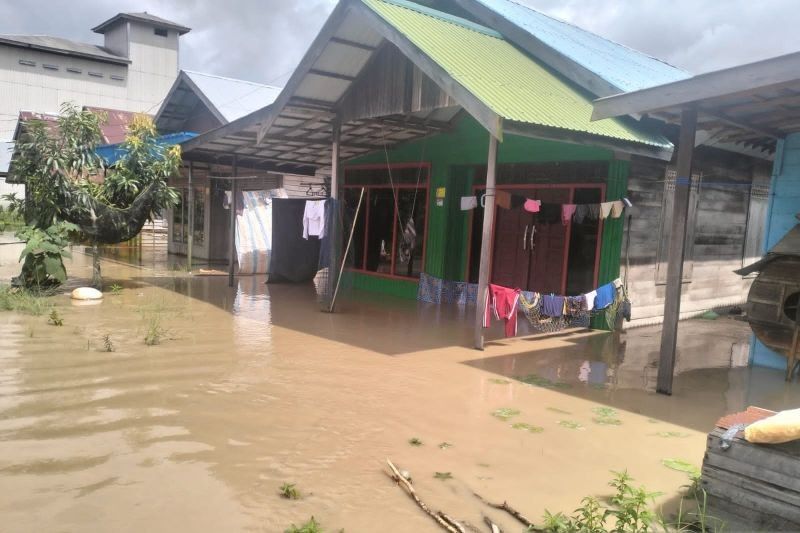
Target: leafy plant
[[55, 319], [312, 526], [108, 345], [682, 466], [604, 411], [540, 381], [530, 428], [155, 331], [570, 424], [115, 289], [505, 413], [43, 255], [289, 491], [415, 441], [607, 421]]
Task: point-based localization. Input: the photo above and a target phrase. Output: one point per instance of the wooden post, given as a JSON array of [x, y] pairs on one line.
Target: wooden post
[[337, 130], [190, 201], [486, 240], [677, 246], [233, 207]]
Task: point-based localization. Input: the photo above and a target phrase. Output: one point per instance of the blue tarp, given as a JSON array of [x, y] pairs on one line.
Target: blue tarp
[[111, 153]]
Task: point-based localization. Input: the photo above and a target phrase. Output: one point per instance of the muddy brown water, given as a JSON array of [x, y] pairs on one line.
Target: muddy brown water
[[252, 387]]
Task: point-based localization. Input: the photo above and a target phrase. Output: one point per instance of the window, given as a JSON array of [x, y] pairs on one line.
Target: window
[[27, 62], [389, 234], [74, 70], [95, 74], [48, 66], [117, 77], [180, 217], [666, 226], [161, 32]]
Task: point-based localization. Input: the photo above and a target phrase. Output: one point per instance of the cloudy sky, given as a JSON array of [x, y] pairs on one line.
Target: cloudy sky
[[262, 40]]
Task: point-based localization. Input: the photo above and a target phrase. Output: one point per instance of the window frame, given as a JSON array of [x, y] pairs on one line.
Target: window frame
[[424, 185]]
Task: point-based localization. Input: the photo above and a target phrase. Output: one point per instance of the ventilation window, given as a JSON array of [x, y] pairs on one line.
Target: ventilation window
[[790, 306], [49, 66], [161, 32], [27, 62], [74, 70], [117, 77], [95, 74]]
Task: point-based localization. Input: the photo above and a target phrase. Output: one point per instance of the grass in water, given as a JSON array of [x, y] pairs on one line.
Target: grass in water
[[108, 346], [505, 413], [23, 301], [570, 424], [115, 289], [530, 428], [607, 421], [539, 381], [443, 475], [604, 411], [312, 526], [289, 491], [55, 319], [415, 441]]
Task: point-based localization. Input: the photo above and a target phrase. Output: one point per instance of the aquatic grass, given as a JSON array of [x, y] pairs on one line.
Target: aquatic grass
[[115, 289], [505, 413], [55, 319], [108, 345], [606, 421], [153, 316], [604, 411], [530, 428], [570, 424], [289, 491], [414, 441], [682, 466], [312, 526], [540, 381], [443, 476], [557, 410], [24, 301]]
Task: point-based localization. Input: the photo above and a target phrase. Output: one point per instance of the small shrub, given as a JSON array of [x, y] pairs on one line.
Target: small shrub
[[55, 319], [289, 491], [43, 255], [505, 413], [115, 289], [23, 301], [312, 526], [108, 346]]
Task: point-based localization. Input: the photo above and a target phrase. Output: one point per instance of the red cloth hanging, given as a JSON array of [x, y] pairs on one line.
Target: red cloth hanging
[[503, 301]]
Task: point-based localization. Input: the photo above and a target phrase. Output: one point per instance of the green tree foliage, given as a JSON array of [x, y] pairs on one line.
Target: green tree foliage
[[42, 257]]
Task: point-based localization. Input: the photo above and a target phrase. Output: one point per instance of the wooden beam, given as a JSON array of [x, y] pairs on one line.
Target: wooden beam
[[677, 248], [353, 44], [333, 75], [705, 88], [233, 206], [769, 104], [190, 238], [486, 241], [761, 130], [313, 119]]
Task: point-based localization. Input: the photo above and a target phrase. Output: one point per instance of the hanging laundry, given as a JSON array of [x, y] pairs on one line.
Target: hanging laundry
[[567, 210], [533, 206], [575, 305], [605, 209], [517, 201], [502, 199], [617, 208], [581, 211], [589, 297], [593, 212], [605, 296], [503, 301], [552, 305], [406, 247], [468, 203], [314, 218], [617, 283], [627, 202]]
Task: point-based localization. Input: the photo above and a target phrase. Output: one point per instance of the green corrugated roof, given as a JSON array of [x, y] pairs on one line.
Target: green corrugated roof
[[507, 81]]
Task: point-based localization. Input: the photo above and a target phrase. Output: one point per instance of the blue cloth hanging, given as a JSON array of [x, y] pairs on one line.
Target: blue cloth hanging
[[605, 296]]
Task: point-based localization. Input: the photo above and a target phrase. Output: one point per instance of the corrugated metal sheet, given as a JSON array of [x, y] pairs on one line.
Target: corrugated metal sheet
[[507, 81], [622, 67], [234, 98], [64, 46]]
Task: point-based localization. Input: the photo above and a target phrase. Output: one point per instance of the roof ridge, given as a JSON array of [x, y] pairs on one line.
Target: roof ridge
[[584, 30], [447, 17], [239, 80]]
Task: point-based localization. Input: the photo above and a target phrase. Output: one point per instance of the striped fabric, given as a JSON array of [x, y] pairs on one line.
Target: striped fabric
[[254, 231]]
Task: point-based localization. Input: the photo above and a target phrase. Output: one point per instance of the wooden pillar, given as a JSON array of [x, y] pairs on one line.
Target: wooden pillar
[[190, 239], [233, 207], [336, 229], [337, 130], [677, 246], [486, 240]]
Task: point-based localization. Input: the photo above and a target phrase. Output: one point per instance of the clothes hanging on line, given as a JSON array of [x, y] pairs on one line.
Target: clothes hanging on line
[[606, 295], [627, 202], [552, 305], [517, 201], [590, 297], [503, 302], [314, 219], [617, 208], [532, 206], [502, 199], [567, 211], [468, 203], [605, 209]]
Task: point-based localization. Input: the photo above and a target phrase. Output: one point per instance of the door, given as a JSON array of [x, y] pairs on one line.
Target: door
[[548, 254], [511, 258]]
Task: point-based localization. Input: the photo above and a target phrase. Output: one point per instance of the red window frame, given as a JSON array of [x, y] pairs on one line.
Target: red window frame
[[366, 205]]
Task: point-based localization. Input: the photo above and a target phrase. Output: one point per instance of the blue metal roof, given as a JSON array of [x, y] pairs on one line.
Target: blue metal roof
[[624, 68], [111, 153]]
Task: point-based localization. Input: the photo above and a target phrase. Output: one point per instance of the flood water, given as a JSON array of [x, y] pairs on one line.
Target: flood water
[[251, 387]]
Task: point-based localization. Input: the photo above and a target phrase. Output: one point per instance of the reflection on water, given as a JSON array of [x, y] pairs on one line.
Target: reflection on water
[[252, 387]]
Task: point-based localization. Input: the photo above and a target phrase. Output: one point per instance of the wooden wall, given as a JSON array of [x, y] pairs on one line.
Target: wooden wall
[[723, 223]]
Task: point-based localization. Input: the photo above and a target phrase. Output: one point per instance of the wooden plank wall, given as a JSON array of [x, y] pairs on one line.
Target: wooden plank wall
[[718, 245]]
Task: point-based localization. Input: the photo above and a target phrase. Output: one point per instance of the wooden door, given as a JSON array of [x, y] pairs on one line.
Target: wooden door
[[511, 258], [548, 256]]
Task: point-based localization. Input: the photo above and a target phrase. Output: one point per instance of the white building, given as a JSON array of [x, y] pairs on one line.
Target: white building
[[133, 70]]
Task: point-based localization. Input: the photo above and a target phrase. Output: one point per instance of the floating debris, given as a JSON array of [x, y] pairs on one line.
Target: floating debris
[[671, 434], [445, 445], [415, 441], [505, 413], [682, 466], [530, 428], [289, 491], [570, 424], [443, 475]]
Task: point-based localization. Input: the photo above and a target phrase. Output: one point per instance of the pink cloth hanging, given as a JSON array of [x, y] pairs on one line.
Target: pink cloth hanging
[[567, 210], [532, 206]]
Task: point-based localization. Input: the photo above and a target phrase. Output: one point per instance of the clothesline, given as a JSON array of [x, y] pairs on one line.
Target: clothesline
[[550, 211]]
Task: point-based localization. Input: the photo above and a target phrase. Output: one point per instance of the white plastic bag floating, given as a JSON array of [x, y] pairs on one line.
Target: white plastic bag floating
[[777, 429]]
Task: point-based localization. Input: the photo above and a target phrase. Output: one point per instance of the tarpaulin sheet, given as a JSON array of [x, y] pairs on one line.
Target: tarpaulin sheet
[[254, 230], [294, 259]]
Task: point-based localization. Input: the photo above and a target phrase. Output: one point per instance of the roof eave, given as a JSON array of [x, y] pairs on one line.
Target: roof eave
[[61, 51]]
